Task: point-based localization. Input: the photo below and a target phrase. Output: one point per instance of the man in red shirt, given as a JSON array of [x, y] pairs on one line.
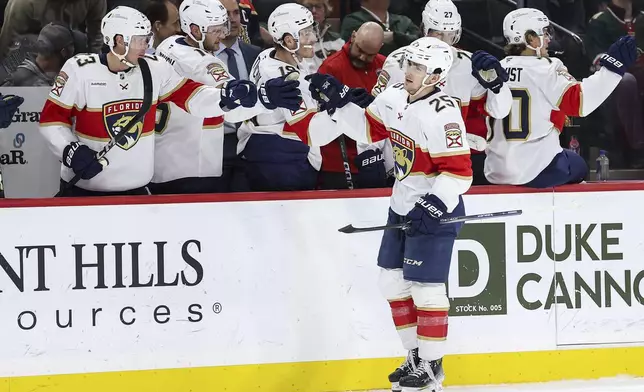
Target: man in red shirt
[[356, 65]]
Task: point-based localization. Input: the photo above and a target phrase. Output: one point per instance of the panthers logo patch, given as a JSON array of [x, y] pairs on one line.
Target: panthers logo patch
[[404, 153], [453, 136], [118, 114]]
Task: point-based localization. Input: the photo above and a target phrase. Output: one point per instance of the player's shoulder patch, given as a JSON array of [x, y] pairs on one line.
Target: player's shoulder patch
[[59, 84], [217, 71], [453, 135]]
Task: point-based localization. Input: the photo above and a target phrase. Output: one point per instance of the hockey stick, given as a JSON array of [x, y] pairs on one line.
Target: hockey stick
[[345, 161], [145, 107], [403, 226]]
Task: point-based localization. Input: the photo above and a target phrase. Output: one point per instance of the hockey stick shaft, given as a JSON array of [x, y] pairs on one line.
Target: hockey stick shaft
[[350, 229], [138, 117], [345, 161]]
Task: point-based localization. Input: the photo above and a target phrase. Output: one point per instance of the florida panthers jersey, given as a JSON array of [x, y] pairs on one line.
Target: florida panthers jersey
[[192, 145], [459, 84], [89, 104], [289, 124], [544, 93], [430, 147]]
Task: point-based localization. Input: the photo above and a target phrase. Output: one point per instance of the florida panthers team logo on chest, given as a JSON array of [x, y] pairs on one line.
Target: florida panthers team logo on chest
[[404, 153], [117, 115]]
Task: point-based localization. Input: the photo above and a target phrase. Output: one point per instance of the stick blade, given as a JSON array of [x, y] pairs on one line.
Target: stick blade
[[347, 229]]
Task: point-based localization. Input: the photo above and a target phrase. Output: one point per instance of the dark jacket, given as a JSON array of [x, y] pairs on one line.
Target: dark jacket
[[405, 31], [250, 53], [30, 16], [607, 26], [29, 74]]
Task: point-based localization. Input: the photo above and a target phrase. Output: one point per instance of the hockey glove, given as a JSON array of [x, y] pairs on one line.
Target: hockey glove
[[8, 107], [371, 169], [425, 217], [329, 91], [488, 71], [82, 159], [279, 92], [620, 56], [360, 97], [239, 92]]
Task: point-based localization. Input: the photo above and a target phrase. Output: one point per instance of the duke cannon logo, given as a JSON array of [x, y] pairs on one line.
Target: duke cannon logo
[[477, 279], [585, 267]]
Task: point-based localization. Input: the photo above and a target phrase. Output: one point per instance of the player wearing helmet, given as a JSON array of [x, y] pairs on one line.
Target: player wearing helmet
[[189, 147], [524, 148], [94, 97], [275, 157], [433, 170], [475, 80]]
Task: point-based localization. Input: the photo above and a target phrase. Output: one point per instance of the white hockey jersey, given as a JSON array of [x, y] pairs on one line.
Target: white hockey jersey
[[429, 142], [544, 93], [289, 124], [192, 145], [459, 84], [89, 104]]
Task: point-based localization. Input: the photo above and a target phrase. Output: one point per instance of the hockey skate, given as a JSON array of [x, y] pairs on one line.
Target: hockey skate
[[410, 364], [423, 378]]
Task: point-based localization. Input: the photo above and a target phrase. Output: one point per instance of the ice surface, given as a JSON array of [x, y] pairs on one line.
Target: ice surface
[[617, 384]]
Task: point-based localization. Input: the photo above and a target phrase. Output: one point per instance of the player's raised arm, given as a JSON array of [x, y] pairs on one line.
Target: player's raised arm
[[492, 77], [348, 108], [582, 98]]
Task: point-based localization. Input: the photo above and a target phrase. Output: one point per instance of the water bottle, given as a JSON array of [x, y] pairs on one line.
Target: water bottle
[[602, 166], [574, 145]]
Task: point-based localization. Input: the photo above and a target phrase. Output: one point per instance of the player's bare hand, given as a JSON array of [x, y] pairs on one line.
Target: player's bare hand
[[281, 92]]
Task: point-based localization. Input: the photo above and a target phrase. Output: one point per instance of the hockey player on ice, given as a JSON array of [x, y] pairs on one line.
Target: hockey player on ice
[[433, 170], [472, 77], [270, 143], [189, 147], [524, 148], [95, 95]]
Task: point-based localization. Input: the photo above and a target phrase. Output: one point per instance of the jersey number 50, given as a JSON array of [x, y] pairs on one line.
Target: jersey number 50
[[516, 126]]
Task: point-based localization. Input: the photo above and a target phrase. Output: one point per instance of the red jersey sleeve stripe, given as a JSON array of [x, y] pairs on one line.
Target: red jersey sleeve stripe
[[54, 113], [300, 127], [376, 130], [459, 166], [213, 122], [571, 101], [182, 94]]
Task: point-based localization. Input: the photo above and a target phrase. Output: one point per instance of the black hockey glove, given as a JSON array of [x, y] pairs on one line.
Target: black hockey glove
[[371, 169], [425, 217], [488, 71], [239, 92], [328, 91], [361, 97], [8, 107], [620, 56], [282, 93], [82, 159]]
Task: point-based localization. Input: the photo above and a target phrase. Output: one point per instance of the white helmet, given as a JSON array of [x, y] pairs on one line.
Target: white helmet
[[433, 53], [127, 22], [203, 14], [523, 20], [289, 18], [443, 16]]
